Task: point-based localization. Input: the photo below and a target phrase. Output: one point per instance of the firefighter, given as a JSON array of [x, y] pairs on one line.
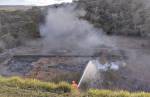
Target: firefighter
[[74, 85]]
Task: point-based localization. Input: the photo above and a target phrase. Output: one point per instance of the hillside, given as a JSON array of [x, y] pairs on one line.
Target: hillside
[[123, 17], [17, 87], [17, 25], [14, 8], [103, 45]]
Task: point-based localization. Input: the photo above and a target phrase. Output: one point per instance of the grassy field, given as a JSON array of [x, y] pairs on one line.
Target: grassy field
[[18, 87]]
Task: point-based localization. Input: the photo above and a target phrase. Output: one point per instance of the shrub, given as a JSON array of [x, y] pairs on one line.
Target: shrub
[[125, 17]]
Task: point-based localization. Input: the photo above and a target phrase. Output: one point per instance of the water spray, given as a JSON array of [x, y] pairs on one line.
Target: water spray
[[89, 72], [92, 70]]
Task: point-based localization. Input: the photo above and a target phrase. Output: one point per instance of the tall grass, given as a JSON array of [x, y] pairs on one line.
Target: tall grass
[[108, 93], [20, 87], [34, 84]]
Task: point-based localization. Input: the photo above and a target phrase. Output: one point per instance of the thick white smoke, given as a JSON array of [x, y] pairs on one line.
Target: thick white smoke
[[64, 30]]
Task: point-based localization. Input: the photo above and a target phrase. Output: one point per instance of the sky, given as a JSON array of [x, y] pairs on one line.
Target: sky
[[32, 2]]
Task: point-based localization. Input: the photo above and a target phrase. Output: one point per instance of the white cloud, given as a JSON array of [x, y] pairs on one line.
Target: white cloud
[[32, 2]]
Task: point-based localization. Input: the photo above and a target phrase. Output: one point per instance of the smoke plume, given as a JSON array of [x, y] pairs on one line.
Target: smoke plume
[[64, 30]]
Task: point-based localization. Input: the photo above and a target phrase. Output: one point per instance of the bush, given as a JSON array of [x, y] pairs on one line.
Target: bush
[[18, 26], [125, 17]]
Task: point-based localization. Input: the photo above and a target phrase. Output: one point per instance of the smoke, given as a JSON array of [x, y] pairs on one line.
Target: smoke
[[92, 73], [64, 30]]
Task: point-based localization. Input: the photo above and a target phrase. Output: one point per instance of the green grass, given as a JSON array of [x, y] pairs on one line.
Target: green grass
[[20, 87], [108, 93], [36, 85]]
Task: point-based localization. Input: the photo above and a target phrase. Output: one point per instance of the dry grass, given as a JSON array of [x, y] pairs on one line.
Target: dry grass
[[18, 87]]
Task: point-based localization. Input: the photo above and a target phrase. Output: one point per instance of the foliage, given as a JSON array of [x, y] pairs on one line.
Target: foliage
[[19, 25], [125, 17]]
